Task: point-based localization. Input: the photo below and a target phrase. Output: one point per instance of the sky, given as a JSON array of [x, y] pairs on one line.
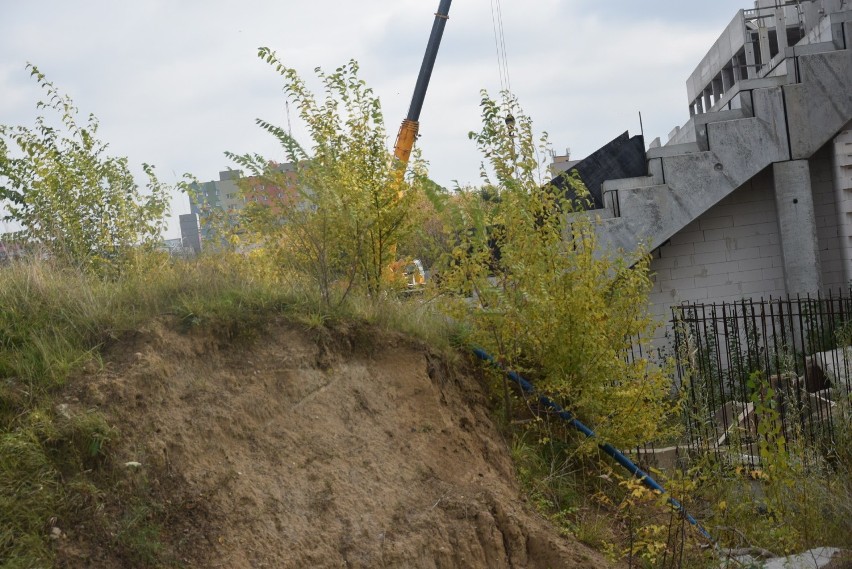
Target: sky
[[176, 83]]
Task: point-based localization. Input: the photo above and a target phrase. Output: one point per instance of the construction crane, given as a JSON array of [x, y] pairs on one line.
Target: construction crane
[[412, 271], [411, 125]]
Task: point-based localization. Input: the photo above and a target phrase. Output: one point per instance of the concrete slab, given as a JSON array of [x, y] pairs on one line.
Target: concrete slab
[[812, 559], [673, 150], [629, 183]]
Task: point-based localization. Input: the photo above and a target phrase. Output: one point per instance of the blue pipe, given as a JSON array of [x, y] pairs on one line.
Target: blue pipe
[[606, 447]]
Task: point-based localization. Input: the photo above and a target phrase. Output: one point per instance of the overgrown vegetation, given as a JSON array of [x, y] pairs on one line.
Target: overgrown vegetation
[[522, 270], [793, 501], [70, 198], [797, 497], [546, 299], [55, 467], [340, 214], [779, 482], [517, 270], [92, 275]]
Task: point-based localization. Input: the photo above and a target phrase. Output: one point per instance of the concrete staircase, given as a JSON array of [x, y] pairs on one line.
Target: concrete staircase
[[787, 117]]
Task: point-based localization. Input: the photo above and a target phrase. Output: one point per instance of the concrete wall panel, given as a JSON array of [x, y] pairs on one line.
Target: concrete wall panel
[[829, 234], [819, 106]]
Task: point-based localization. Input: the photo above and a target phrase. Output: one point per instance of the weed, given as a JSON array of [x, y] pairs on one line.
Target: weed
[[55, 321], [140, 535]]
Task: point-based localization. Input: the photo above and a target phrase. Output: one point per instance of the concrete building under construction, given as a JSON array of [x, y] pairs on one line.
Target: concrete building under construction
[[752, 196]]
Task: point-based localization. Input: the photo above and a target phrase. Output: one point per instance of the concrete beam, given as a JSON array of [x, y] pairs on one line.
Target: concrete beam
[[797, 227], [621, 184], [810, 49], [764, 82]]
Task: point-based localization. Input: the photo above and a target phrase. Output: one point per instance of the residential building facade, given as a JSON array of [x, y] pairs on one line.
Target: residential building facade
[[229, 195]]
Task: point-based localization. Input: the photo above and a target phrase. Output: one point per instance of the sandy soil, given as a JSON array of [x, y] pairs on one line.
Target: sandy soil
[[351, 448]]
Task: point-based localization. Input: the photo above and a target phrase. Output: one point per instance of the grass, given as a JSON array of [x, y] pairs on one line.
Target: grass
[[139, 534], [54, 323], [55, 468], [800, 505]]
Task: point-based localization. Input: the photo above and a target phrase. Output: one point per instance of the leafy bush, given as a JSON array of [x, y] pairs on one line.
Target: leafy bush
[[545, 298], [347, 207], [69, 196]]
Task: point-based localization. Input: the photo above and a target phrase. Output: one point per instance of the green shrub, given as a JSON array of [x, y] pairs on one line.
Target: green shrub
[[73, 200], [528, 278], [347, 208]]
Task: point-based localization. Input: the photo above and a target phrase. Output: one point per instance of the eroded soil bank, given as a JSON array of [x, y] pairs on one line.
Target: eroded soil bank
[[351, 448]]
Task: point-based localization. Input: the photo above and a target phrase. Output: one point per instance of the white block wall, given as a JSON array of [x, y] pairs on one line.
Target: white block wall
[[733, 250], [827, 219], [842, 162], [730, 252]]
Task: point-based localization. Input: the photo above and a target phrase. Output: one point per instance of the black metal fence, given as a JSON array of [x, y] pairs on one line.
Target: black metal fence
[[766, 372]]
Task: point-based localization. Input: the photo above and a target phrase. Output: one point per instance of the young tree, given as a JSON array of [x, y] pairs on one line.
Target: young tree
[[353, 208], [69, 196], [545, 299]]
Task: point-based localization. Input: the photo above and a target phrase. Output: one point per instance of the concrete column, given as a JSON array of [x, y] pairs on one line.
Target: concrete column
[[718, 89], [842, 162], [728, 76], [794, 203], [763, 42], [781, 29], [751, 60]]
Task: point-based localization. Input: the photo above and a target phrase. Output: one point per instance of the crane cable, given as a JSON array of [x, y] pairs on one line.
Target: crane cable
[[505, 81], [500, 45]]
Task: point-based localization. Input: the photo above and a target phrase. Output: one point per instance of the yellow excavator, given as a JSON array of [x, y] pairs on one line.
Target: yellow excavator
[[413, 271]]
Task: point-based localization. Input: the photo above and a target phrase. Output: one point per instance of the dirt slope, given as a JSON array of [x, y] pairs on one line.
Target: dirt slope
[[297, 449]]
